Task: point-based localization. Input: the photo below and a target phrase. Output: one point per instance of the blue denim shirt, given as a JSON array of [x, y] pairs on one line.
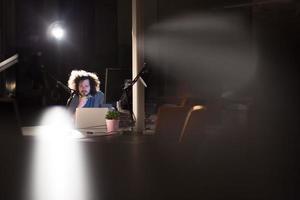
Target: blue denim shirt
[[93, 102]]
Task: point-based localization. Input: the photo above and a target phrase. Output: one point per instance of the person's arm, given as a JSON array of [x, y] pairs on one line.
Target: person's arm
[[99, 99], [102, 100]]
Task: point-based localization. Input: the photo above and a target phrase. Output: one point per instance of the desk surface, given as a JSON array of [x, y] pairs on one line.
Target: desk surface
[[144, 167]]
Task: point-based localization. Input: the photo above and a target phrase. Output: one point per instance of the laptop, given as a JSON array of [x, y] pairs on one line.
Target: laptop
[[91, 121]]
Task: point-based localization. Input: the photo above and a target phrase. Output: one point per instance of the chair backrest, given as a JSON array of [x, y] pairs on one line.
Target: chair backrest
[[173, 121], [194, 124], [170, 120]]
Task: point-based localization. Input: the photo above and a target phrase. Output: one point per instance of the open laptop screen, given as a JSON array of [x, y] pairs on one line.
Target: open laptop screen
[[90, 118]]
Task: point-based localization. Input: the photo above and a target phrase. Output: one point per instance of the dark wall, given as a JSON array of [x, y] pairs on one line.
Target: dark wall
[[216, 48], [277, 88], [187, 47], [124, 33], [7, 29], [7, 45]]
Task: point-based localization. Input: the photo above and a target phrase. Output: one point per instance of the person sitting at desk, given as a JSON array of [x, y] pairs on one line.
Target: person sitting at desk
[[86, 87]]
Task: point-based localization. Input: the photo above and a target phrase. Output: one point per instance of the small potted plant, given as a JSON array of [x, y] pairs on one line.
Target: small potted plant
[[112, 120]]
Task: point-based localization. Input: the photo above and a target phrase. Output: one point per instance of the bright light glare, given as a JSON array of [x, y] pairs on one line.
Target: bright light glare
[[57, 122], [58, 170], [58, 32]]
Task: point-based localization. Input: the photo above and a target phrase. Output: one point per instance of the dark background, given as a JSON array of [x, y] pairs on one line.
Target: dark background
[[99, 36], [93, 40], [185, 50]]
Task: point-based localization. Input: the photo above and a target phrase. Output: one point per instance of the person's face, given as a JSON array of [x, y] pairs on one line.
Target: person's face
[[84, 87]]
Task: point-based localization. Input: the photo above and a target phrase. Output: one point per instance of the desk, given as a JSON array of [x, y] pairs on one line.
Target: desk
[[144, 167], [41, 130]]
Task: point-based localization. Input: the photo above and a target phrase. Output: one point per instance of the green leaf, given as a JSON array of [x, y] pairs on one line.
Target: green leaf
[[112, 114]]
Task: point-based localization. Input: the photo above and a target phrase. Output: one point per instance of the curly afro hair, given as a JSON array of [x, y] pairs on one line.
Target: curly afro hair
[[79, 75]]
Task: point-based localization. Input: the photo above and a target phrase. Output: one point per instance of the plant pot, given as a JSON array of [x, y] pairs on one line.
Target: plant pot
[[112, 125]]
